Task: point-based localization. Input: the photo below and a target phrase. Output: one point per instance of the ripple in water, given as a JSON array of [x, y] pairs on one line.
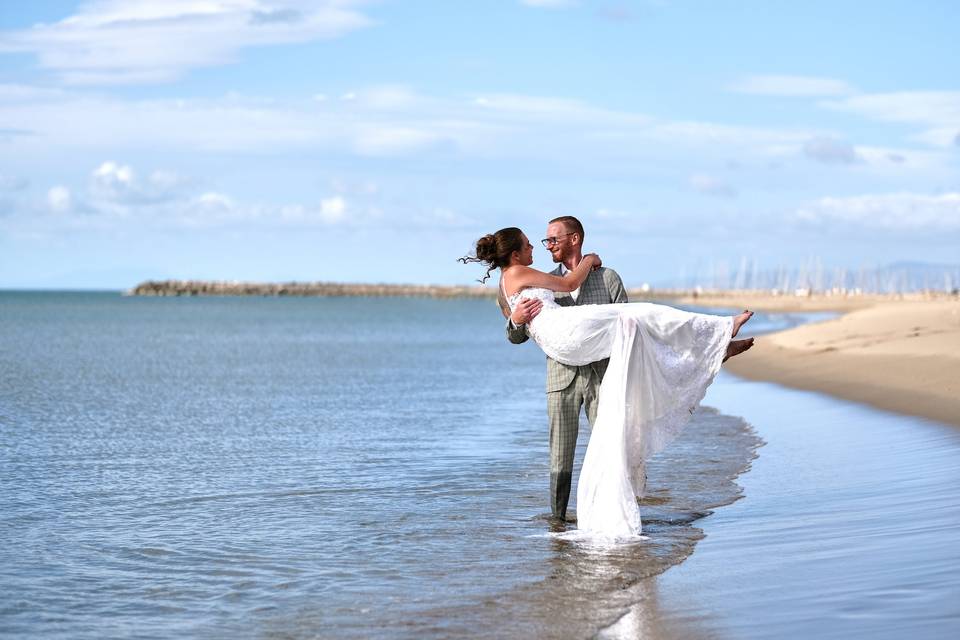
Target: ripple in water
[[304, 468]]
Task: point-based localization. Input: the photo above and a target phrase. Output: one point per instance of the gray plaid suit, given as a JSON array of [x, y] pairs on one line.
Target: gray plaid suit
[[570, 388]]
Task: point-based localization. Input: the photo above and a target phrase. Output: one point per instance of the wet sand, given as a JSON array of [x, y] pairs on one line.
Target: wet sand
[[900, 356], [846, 529]]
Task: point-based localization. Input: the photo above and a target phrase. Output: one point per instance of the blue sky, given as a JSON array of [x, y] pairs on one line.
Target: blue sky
[[375, 140]]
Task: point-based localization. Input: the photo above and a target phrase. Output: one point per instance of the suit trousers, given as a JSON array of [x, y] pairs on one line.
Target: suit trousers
[[563, 411]]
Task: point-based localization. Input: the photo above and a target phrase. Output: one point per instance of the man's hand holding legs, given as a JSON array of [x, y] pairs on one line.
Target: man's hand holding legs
[[527, 309]]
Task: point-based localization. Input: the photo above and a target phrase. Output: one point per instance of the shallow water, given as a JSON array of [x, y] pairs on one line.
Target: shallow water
[[848, 529], [302, 468]]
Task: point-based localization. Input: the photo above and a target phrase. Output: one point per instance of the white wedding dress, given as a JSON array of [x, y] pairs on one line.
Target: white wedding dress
[[661, 362]]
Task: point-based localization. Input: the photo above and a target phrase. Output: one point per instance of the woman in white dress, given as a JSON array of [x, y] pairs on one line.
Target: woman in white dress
[[661, 362]]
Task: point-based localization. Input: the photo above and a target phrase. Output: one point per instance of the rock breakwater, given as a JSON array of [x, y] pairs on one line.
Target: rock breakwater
[[327, 289]]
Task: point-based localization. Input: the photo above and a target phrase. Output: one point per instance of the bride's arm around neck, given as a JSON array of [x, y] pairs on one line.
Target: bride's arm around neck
[[517, 277]]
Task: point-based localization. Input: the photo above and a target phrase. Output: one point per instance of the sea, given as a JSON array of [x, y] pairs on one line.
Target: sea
[[254, 467]]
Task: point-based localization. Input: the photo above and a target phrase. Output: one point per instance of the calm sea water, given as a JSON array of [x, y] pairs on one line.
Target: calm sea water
[[282, 467], [848, 529]]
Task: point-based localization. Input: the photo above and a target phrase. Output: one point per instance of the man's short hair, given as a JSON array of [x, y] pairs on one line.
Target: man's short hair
[[571, 223]]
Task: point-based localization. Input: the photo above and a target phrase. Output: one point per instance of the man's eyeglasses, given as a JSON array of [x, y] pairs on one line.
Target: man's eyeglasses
[[552, 240]]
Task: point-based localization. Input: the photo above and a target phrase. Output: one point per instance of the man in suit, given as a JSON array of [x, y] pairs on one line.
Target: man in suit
[[568, 388]]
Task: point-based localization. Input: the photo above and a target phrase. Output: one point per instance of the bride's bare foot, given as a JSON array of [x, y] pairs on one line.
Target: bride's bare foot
[[740, 320], [736, 347]]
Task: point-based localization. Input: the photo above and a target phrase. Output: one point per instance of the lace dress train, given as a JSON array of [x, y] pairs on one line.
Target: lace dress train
[[661, 362]]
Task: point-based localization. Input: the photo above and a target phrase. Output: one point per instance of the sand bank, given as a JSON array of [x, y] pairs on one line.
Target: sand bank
[[901, 356], [766, 301]]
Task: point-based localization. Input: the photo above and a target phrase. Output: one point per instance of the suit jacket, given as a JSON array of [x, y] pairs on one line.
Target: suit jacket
[[602, 286]]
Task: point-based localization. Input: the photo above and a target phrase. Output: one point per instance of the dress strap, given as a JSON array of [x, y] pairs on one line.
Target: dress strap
[[503, 292]]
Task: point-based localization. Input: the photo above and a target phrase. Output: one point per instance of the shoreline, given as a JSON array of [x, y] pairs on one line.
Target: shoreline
[[901, 356]]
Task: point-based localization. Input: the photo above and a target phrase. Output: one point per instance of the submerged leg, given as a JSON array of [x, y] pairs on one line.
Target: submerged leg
[[563, 409]]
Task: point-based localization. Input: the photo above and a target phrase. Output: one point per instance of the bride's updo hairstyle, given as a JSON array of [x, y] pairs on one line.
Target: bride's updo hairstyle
[[494, 249]]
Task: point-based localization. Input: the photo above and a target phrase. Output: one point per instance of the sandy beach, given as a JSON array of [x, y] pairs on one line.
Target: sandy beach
[[901, 355]]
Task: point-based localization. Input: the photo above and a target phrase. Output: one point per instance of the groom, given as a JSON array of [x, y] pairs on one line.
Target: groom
[[568, 388]]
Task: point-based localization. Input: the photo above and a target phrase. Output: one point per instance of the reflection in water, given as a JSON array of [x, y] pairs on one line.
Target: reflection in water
[[588, 587], [304, 468]]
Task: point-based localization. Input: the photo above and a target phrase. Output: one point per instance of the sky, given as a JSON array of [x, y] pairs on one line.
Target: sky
[[375, 141]]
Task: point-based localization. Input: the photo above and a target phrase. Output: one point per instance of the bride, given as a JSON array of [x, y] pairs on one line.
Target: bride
[[661, 362]]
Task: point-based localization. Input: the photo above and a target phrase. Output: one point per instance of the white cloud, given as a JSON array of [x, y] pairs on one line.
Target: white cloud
[[58, 199], [900, 159], [711, 186], [917, 107], [387, 140], [893, 211], [110, 173], [14, 93], [116, 196], [215, 209], [209, 209], [531, 133], [791, 86], [118, 184], [830, 151], [937, 111], [940, 137], [762, 139], [379, 122], [213, 201], [333, 209], [551, 109], [144, 41]]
